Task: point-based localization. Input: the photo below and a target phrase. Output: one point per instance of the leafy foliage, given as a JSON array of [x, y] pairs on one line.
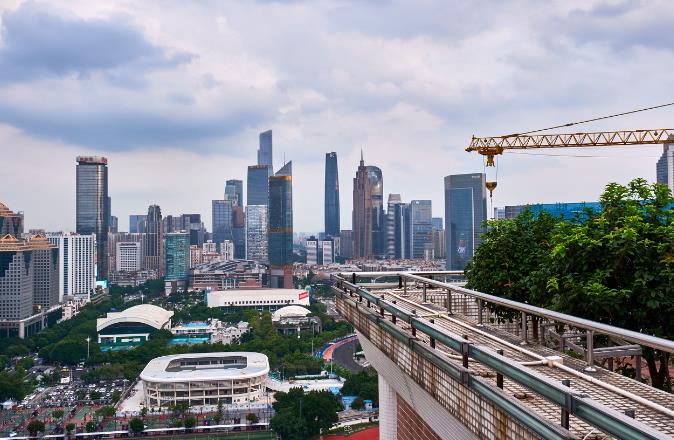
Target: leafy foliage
[[136, 425], [301, 416], [363, 384]]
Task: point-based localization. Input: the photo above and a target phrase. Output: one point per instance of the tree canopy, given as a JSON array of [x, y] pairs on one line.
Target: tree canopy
[[302, 416]]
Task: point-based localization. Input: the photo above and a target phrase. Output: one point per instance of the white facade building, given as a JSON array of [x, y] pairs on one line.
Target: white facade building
[[196, 256], [210, 248], [204, 379], [214, 329], [312, 251], [259, 299], [328, 252], [227, 250], [77, 263], [129, 256], [257, 233]]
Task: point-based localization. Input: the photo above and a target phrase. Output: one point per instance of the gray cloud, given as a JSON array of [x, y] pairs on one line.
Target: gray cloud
[[37, 42]]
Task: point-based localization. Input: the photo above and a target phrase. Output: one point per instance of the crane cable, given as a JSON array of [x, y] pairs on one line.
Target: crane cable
[[593, 119]]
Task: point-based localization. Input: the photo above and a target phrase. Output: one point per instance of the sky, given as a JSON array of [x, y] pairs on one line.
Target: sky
[[175, 93]]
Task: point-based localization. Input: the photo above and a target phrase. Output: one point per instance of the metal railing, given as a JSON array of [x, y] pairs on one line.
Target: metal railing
[[570, 402]]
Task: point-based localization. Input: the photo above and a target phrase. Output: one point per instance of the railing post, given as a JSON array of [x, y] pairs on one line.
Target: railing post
[[499, 376], [393, 316], [353, 278], [637, 360], [432, 339], [405, 286], [423, 296], [479, 313], [449, 302], [589, 352], [464, 351], [400, 282], [567, 408], [631, 413], [525, 339]]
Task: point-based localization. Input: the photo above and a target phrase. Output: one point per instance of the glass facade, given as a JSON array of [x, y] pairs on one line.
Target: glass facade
[[331, 195], [421, 227], [664, 169], [154, 240], [264, 154], [234, 191], [281, 227], [465, 211], [92, 205], [566, 211], [177, 256], [222, 221], [137, 223], [378, 230], [257, 233], [258, 185]]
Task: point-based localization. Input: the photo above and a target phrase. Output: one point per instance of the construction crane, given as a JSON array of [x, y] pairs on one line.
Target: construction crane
[[496, 145]]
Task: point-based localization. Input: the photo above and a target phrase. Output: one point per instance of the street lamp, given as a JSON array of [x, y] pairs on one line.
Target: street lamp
[[88, 340]]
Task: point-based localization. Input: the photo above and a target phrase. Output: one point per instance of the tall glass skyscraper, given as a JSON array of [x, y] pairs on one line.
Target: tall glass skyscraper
[[465, 210], [258, 185], [281, 228], [257, 233], [92, 205], [421, 227], [177, 262], [664, 169], [264, 154], [154, 240], [222, 221], [362, 212], [393, 199], [137, 223], [378, 229], [234, 191], [331, 195]]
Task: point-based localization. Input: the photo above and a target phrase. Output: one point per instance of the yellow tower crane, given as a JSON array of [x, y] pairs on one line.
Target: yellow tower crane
[[493, 146]]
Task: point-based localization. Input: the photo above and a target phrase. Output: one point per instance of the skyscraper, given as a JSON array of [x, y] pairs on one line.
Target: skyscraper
[[239, 231], [401, 219], [221, 211], [10, 222], [465, 210], [257, 233], [438, 223], [16, 279], [378, 230], [331, 195], [393, 199], [234, 191], [362, 212], [191, 223], [76, 255], [92, 205], [346, 243], [154, 240], [177, 261], [281, 228], [665, 166], [137, 223], [421, 227], [312, 251], [258, 185], [45, 262], [264, 154]]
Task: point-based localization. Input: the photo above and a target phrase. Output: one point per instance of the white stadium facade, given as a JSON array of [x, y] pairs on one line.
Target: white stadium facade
[[131, 326], [201, 379]]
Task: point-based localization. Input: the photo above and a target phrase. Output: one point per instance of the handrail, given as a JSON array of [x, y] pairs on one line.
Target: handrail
[[598, 415], [582, 323]]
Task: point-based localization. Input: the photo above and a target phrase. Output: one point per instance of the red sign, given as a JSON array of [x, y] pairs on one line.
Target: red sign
[[304, 295]]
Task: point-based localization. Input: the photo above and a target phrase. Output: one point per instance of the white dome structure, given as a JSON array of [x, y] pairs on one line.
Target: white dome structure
[[290, 312]]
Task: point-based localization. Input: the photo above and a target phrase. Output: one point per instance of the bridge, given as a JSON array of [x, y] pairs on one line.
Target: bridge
[[449, 368]]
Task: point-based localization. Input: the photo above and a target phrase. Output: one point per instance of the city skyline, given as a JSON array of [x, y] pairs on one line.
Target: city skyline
[[236, 87]]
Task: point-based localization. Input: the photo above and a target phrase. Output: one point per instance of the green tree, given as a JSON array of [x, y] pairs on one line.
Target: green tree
[[143, 411], [116, 395], [35, 426], [94, 395], [300, 415], [90, 426], [106, 411], [512, 261], [218, 414], [70, 427], [618, 267], [190, 422], [363, 384], [289, 426], [357, 403], [252, 418], [136, 425], [57, 414]]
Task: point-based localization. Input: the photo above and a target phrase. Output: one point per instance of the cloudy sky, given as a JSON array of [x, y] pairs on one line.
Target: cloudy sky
[[175, 93]]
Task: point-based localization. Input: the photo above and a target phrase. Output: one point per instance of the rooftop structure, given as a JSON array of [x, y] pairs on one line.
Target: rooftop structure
[[132, 326], [291, 319], [259, 299], [220, 275]]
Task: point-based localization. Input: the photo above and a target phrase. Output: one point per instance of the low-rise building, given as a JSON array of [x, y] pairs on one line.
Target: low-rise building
[[212, 331], [131, 327], [292, 319], [220, 275], [258, 299]]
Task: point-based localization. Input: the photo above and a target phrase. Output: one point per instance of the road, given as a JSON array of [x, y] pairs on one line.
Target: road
[[343, 356]]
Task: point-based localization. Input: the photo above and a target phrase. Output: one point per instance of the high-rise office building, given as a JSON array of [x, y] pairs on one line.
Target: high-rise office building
[[327, 252], [10, 222], [257, 233], [664, 169], [439, 243], [346, 243], [312, 251], [227, 250], [421, 227], [77, 270], [154, 241], [177, 261], [465, 210], [234, 191], [362, 212], [137, 223], [128, 256], [402, 228], [191, 223], [45, 262], [393, 199], [196, 256], [239, 231], [222, 220], [258, 185], [114, 224], [265, 153], [438, 223], [331, 195], [378, 229], [499, 213], [281, 228], [92, 205], [16, 278]]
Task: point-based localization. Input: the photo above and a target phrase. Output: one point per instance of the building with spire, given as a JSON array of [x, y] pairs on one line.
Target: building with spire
[[362, 212], [281, 228], [154, 241]]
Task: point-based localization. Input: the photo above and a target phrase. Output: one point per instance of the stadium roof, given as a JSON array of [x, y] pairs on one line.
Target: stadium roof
[[160, 369], [148, 314], [290, 312]]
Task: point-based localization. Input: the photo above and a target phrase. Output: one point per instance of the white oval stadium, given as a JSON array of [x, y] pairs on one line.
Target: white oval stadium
[[205, 379]]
